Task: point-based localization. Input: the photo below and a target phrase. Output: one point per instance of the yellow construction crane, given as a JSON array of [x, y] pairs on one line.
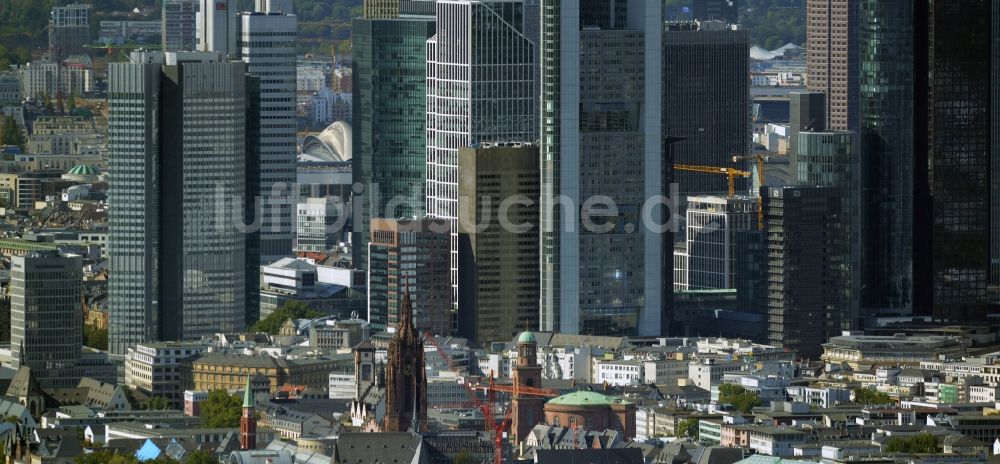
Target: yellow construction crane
[[732, 173], [759, 157]]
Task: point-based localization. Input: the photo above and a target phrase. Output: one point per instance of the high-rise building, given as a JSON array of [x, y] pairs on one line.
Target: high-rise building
[[805, 282], [217, 27], [716, 10], [807, 112], [178, 124], [711, 246], [993, 288], [706, 100], [69, 31], [409, 255], [319, 224], [389, 130], [832, 29], [601, 139], [832, 159], [178, 25], [498, 188], [926, 136], [46, 322], [480, 88], [267, 46]]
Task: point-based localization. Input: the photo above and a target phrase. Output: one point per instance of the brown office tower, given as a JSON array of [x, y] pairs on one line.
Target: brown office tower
[[498, 187], [832, 62]]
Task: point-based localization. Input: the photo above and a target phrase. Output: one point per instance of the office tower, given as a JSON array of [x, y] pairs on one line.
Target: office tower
[[389, 82], [926, 136], [805, 285], [480, 88], [217, 27], [711, 246], [178, 25], [178, 124], [993, 288], [69, 31], [832, 28], [601, 135], [498, 188], [319, 224], [807, 112], [832, 159], [409, 254], [750, 272], [46, 322], [706, 100], [716, 10], [267, 46]]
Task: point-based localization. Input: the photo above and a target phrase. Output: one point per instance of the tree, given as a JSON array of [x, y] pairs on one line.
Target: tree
[[95, 338], [201, 457], [71, 103], [105, 457], [920, 443], [290, 310], [12, 133], [221, 410], [464, 457], [871, 396], [740, 397], [687, 428], [156, 403]]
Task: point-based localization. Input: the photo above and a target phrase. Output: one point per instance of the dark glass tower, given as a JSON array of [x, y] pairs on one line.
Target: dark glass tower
[[390, 62], [927, 144]]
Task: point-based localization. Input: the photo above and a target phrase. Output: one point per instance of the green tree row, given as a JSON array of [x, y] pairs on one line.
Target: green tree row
[[871, 396], [290, 310], [920, 443], [743, 399]]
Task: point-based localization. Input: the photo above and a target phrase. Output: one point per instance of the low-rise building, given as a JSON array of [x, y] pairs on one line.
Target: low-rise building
[[219, 371], [863, 352], [154, 368], [776, 441]]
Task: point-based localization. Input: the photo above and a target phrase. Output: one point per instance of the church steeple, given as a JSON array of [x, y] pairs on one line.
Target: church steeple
[[406, 382], [248, 421]]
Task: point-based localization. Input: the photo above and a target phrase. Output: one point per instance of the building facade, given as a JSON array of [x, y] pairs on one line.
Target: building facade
[[480, 88], [192, 281], [69, 30], [267, 46], [178, 25], [405, 376], [498, 187], [319, 224], [706, 100], [712, 244], [832, 29], [154, 369], [46, 323], [806, 300], [409, 256], [389, 121], [601, 136]]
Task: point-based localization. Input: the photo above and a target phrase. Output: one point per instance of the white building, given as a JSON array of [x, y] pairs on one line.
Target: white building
[[710, 372], [154, 368], [342, 386], [42, 78], [618, 372], [824, 397], [320, 223]]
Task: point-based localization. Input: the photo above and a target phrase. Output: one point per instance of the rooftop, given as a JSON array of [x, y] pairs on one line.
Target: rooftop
[[586, 398]]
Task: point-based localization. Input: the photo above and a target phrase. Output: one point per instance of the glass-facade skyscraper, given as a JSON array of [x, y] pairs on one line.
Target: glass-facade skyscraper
[[177, 150], [480, 88], [600, 132], [389, 82]]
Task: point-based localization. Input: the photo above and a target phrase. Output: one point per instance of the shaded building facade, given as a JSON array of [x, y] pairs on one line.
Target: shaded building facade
[[498, 284]]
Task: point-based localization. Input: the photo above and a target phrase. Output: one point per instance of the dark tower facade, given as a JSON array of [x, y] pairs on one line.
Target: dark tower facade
[[527, 409], [406, 380], [248, 421]]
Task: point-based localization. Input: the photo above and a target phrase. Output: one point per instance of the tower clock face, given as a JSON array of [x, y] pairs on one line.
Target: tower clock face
[[407, 369]]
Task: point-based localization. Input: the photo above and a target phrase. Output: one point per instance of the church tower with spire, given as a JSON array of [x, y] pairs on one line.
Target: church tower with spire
[[248, 421], [405, 378]]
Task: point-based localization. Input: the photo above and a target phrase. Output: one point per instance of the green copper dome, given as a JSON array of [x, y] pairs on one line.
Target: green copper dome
[[84, 170], [586, 398], [527, 337]]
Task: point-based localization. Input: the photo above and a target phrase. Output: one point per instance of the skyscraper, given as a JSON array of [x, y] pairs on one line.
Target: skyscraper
[[217, 27], [389, 130], [69, 30], [267, 46], [926, 136], [177, 150], [409, 256], [807, 112], [832, 28], [178, 25], [706, 100], [498, 282], [46, 323], [480, 88], [601, 123], [805, 285], [711, 239]]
